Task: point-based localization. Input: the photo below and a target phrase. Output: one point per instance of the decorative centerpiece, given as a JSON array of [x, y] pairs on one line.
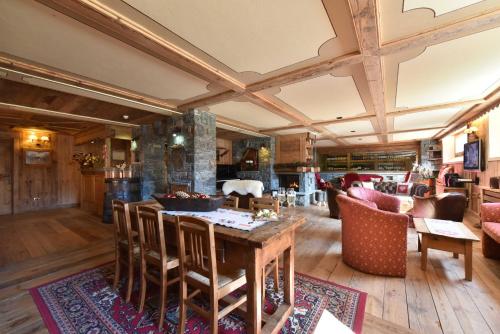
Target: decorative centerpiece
[[183, 201], [266, 214]]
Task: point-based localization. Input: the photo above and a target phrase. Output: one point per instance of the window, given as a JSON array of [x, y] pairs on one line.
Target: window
[[494, 134], [460, 141]]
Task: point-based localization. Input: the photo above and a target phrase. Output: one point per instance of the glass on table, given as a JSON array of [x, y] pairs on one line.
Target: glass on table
[[291, 196], [281, 196]]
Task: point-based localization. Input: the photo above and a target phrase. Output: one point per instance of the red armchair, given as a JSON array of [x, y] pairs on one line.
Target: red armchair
[[373, 241], [490, 215], [384, 202]]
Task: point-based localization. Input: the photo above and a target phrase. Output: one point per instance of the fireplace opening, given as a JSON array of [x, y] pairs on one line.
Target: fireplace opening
[[289, 181]]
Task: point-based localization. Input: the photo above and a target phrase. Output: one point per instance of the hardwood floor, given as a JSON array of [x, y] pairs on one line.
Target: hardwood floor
[[40, 247]]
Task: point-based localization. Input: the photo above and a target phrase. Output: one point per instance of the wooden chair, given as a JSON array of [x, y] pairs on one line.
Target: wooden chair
[[231, 202], [272, 204], [125, 246], [155, 261], [199, 269]]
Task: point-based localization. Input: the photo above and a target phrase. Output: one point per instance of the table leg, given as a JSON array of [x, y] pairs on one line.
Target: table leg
[[468, 260], [424, 252], [419, 246], [289, 275], [254, 300]]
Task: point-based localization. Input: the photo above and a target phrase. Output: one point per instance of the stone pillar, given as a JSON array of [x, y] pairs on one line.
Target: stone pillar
[[151, 150], [192, 151]]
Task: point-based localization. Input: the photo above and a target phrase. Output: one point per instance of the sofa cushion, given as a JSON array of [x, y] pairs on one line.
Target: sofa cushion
[[493, 230]]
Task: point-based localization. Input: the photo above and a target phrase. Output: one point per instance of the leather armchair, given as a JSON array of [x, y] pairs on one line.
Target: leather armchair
[[490, 215], [332, 194], [446, 206], [373, 241], [384, 202]]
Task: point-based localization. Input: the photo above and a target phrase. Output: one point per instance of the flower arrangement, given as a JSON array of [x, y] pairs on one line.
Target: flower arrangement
[[87, 160], [423, 171]]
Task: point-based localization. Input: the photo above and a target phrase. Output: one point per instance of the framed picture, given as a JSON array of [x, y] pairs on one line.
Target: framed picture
[[33, 157]]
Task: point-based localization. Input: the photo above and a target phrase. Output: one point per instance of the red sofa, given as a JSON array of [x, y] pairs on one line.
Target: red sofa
[[373, 241], [349, 178], [490, 216], [383, 201]]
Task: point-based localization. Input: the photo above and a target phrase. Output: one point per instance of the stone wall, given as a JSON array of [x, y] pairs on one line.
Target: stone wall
[[266, 172], [151, 150], [178, 150], [191, 153]]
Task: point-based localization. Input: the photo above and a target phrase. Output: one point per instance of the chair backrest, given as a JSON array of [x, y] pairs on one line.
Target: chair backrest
[[151, 234], [264, 203], [121, 221], [231, 202], [196, 247], [446, 206]]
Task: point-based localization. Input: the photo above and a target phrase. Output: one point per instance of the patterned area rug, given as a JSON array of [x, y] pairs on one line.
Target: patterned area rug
[[87, 303]]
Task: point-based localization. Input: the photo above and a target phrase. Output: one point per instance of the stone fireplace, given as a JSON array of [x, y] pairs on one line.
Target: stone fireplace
[[303, 183]]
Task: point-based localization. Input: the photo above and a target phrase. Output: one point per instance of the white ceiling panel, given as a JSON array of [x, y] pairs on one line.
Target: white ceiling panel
[[362, 140], [249, 113], [324, 98], [325, 143], [425, 119], [439, 7], [414, 135], [259, 36], [460, 69], [347, 128], [32, 31]]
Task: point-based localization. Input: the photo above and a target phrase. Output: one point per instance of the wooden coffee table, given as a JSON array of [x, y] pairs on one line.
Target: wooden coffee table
[[456, 245]]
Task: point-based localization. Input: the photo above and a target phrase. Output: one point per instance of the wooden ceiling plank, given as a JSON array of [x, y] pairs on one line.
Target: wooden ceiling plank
[[29, 68], [468, 26], [53, 113]]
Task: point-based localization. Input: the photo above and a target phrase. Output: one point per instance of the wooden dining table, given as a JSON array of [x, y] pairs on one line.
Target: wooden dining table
[[253, 250]]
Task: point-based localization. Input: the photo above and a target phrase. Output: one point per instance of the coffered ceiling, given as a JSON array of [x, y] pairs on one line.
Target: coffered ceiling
[[352, 71]]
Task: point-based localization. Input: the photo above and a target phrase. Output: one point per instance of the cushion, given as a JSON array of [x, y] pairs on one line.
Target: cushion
[[368, 185], [493, 230], [403, 188]]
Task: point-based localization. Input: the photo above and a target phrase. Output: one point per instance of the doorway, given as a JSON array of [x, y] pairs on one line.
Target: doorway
[[6, 177]]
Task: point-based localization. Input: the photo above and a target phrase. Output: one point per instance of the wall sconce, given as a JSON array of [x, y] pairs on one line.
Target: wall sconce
[[471, 132], [38, 141]]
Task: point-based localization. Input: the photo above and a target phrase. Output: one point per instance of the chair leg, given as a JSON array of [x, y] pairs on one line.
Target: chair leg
[[182, 306], [142, 291], [263, 286], [276, 275], [130, 279], [117, 269], [163, 295], [214, 313]]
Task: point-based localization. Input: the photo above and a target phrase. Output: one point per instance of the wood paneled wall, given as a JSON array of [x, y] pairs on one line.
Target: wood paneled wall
[[224, 146], [38, 187], [291, 148]]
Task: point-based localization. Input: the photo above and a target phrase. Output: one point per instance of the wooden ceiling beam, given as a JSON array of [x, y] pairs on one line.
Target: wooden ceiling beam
[[320, 123], [308, 72], [390, 132], [436, 107], [468, 26], [364, 15], [492, 101]]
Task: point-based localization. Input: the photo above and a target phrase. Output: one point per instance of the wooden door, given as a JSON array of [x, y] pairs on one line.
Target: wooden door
[[5, 177]]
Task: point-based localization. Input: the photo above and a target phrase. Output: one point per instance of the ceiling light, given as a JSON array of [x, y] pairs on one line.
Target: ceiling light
[[340, 117], [360, 139], [353, 131], [125, 117]]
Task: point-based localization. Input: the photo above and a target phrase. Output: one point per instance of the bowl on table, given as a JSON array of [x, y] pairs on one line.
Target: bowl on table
[[209, 203]]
